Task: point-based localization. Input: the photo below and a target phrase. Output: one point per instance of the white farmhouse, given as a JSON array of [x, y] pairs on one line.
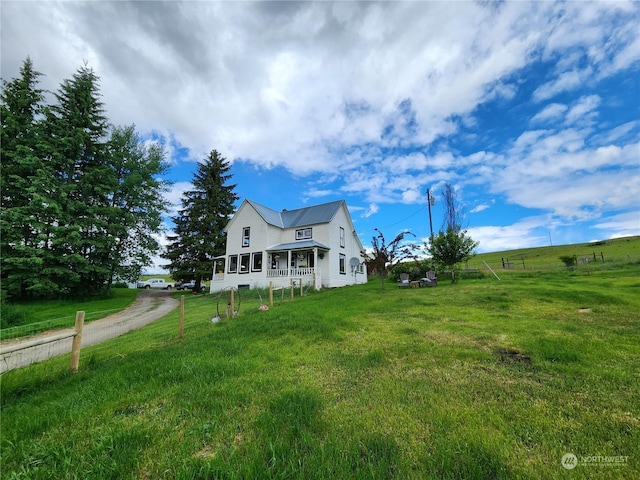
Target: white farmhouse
[[317, 245]]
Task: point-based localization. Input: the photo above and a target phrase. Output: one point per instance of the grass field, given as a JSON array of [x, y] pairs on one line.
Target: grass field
[[595, 255], [483, 379], [33, 317]]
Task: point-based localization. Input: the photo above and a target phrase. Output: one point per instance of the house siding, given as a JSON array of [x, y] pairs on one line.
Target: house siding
[[265, 236]]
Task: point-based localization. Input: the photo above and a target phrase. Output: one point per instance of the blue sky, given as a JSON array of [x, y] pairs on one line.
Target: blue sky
[[530, 110]]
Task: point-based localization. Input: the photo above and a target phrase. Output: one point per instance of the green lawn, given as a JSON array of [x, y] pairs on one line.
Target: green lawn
[[484, 379], [37, 316], [599, 255]]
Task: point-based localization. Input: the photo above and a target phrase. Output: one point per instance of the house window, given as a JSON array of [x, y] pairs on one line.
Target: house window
[[218, 266], [244, 263], [343, 264], [303, 233], [246, 234], [233, 263], [342, 237], [256, 266]]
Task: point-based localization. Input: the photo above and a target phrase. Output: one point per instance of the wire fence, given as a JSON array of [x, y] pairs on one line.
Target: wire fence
[[51, 324], [594, 260], [40, 341]]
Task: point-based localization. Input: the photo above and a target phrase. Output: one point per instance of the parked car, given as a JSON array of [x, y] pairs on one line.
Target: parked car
[[190, 286], [155, 283]]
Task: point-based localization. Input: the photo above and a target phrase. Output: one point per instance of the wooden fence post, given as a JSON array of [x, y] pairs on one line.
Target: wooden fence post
[[181, 325], [301, 287], [270, 294], [291, 287], [77, 342], [233, 304]]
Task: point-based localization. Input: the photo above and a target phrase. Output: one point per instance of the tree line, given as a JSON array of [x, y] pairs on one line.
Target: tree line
[[82, 200]]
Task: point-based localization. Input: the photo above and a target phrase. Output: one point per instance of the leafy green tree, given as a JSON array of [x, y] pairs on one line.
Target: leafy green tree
[[199, 226], [449, 249], [136, 204], [452, 245], [22, 209], [384, 257]]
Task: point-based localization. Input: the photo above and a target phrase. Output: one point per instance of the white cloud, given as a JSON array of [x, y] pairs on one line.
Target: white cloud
[[622, 225], [371, 210], [583, 109], [552, 111], [564, 82], [510, 237], [380, 100], [174, 195], [479, 208]]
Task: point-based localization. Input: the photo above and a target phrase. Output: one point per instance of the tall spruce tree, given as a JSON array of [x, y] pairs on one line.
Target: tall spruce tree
[[77, 133], [199, 226], [78, 206], [23, 211]]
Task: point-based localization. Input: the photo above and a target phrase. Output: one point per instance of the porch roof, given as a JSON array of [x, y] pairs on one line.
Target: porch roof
[[298, 246]]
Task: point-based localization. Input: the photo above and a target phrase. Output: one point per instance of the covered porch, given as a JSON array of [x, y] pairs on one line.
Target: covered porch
[[284, 262], [296, 260]]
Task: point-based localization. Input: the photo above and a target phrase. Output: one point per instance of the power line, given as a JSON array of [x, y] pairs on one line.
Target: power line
[[405, 219]]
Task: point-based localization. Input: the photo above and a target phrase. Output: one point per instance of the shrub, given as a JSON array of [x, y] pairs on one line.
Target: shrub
[[569, 261]]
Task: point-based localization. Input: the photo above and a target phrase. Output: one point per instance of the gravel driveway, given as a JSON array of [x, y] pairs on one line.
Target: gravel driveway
[[150, 305]]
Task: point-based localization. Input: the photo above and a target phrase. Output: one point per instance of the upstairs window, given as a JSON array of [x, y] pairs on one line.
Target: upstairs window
[[342, 237], [246, 235], [303, 234]]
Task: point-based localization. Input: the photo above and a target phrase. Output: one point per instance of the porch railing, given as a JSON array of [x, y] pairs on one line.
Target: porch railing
[[291, 272]]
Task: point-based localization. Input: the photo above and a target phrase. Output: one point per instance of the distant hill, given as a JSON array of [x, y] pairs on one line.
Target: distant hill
[[626, 249]]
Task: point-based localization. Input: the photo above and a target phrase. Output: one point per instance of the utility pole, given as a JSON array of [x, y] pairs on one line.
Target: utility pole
[[430, 201]]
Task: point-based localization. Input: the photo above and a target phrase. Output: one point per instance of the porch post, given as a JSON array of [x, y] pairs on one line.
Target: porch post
[[288, 263], [315, 268]]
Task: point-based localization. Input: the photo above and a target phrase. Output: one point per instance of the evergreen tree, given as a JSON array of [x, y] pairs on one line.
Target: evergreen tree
[[199, 226], [76, 129], [23, 210], [78, 207]]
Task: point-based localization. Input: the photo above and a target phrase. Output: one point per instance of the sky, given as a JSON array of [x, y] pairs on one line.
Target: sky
[[529, 110]]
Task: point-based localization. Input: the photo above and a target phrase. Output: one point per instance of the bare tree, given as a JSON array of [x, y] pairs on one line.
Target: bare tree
[[453, 213], [384, 257], [452, 245]]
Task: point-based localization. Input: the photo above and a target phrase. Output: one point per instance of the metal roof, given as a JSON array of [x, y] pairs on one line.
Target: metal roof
[[297, 245], [300, 217]]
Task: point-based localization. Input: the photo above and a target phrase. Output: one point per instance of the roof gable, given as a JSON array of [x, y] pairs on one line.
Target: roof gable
[[299, 217]]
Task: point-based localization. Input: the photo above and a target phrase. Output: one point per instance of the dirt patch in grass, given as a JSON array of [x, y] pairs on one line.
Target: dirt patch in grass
[[510, 355]]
